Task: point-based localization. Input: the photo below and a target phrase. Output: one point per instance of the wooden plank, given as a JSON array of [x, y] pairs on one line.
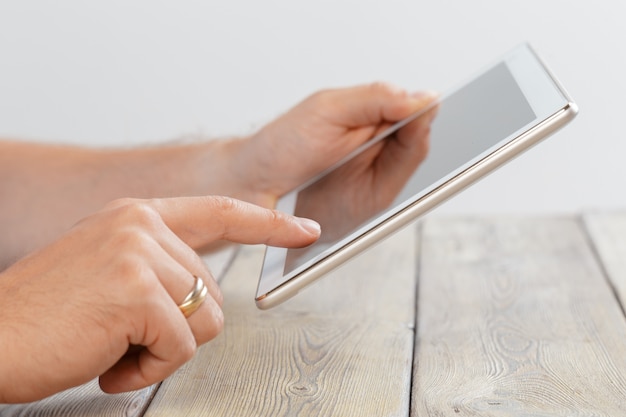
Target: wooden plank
[[342, 347], [88, 399], [516, 318], [608, 234]]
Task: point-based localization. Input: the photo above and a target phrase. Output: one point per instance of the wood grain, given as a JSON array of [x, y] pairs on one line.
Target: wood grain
[[86, 400], [516, 318], [608, 234], [341, 348]]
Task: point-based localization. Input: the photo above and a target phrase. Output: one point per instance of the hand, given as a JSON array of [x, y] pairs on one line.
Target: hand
[[316, 134], [103, 299], [367, 184]]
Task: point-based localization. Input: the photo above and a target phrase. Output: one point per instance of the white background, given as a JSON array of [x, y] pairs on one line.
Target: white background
[[133, 72]]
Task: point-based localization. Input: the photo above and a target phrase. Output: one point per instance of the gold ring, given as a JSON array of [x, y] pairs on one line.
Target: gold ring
[[195, 298]]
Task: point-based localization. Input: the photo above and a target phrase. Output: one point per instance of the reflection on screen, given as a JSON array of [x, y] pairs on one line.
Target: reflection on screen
[[466, 124]]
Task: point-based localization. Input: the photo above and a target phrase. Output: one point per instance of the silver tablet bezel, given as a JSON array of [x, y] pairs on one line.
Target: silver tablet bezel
[[533, 78]]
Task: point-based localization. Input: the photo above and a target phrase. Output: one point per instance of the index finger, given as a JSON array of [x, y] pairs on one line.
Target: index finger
[[199, 221]]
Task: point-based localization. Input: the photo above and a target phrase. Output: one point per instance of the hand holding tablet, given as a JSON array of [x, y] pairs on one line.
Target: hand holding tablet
[[428, 157]]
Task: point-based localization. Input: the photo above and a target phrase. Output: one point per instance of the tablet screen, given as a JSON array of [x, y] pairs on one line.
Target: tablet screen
[[465, 125], [462, 128]]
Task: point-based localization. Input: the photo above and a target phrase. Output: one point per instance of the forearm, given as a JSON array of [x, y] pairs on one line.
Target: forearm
[[45, 189]]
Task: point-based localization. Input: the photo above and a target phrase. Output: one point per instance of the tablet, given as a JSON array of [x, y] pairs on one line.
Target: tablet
[[463, 135]]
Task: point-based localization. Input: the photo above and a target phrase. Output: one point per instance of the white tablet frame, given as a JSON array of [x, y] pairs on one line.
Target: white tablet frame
[[553, 108]]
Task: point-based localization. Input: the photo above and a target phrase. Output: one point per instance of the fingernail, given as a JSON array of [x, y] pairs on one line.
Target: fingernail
[[309, 225]]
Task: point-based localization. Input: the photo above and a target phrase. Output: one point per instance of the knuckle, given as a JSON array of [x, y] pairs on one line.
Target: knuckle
[[213, 323], [120, 202], [217, 324], [321, 99], [133, 272], [277, 221], [387, 89], [319, 95], [223, 203], [218, 321], [219, 297], [187, 348], [119, 214], [277, 217], [140, 213], [224, 210], [132, 240]]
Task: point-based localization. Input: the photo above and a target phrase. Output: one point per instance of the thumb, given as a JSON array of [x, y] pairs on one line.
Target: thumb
[[372, 104]]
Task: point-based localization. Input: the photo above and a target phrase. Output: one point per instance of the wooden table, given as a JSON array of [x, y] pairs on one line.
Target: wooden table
[[505, 316]]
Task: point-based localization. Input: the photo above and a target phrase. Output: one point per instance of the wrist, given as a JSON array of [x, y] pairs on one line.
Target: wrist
[[12, 358], [245, 173]]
